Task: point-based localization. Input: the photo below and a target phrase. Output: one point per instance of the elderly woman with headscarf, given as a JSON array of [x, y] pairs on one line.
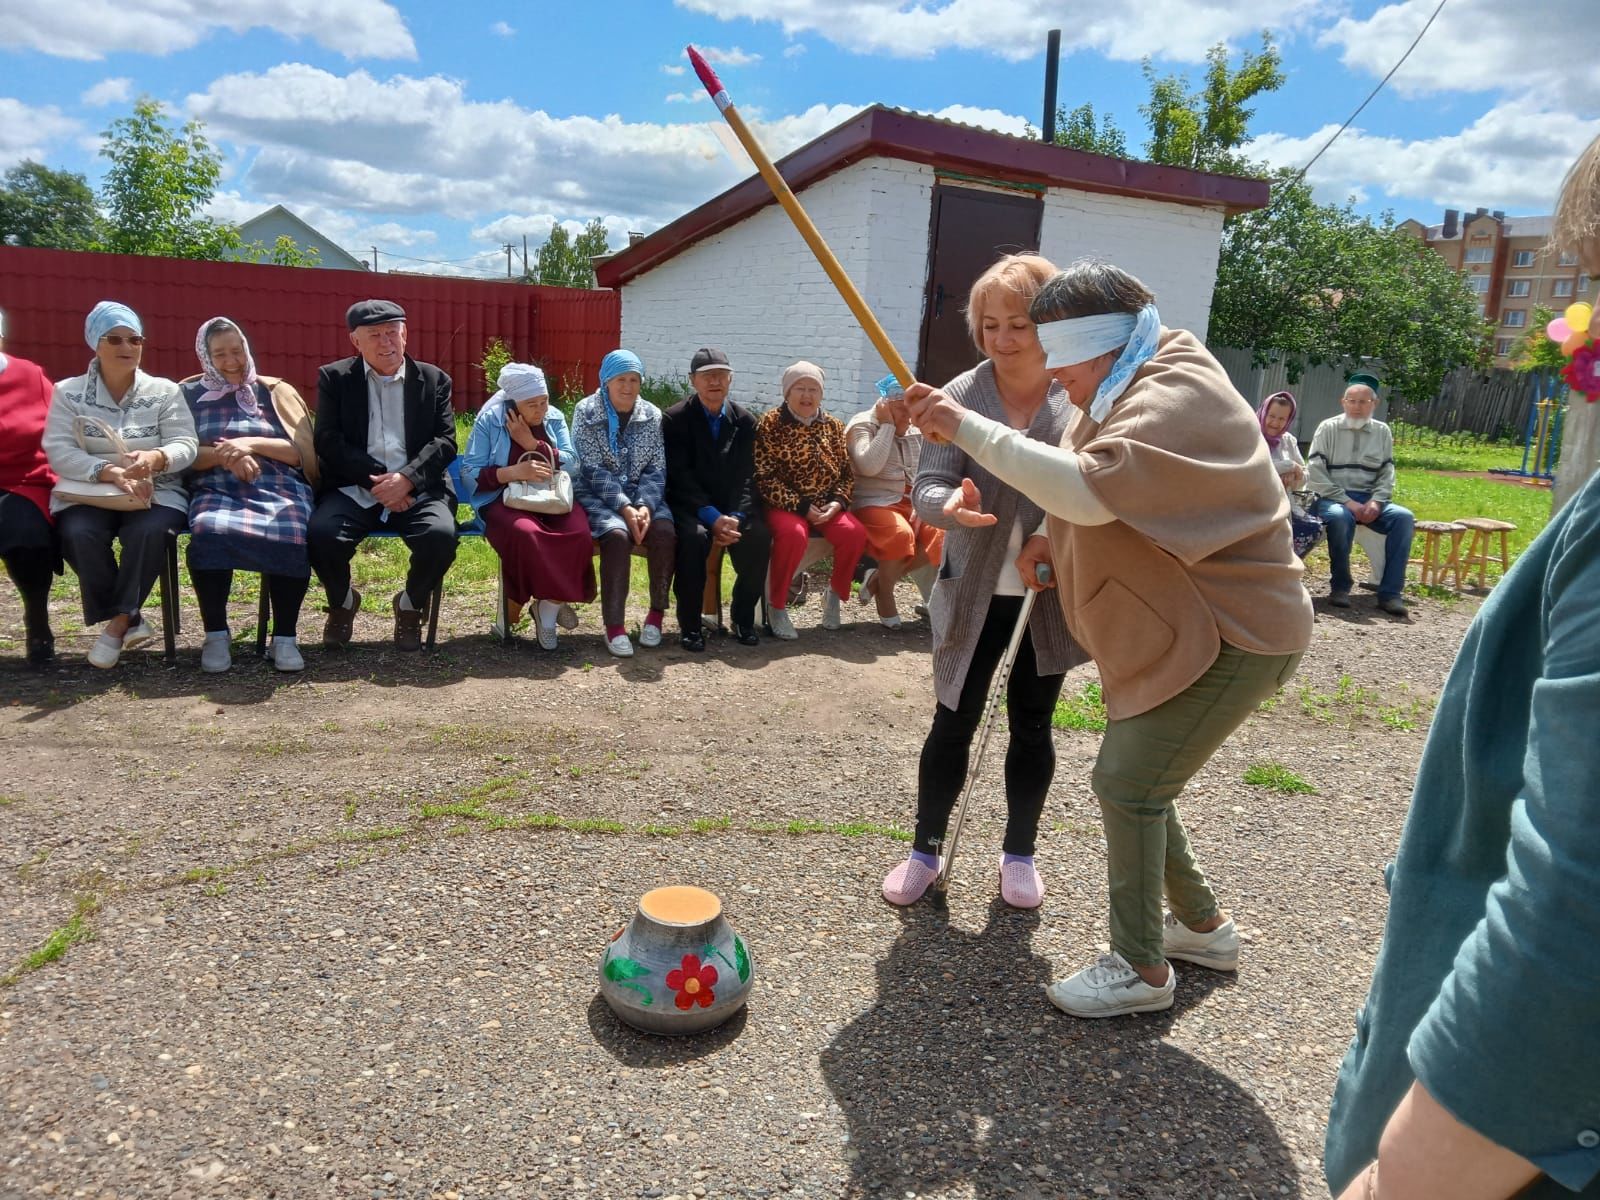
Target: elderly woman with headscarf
[[28, 543], [548, 556], [114, 399], [621, 483], [251, 491], [803, 475], [1169, 533], [1275, 415]]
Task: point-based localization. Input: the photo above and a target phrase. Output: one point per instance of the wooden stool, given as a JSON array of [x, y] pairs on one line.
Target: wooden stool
[[1432, 567], [1478, 548]]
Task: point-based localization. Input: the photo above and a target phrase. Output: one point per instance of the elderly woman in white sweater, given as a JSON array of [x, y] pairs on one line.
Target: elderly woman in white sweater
[[114, 399], [885, 448]]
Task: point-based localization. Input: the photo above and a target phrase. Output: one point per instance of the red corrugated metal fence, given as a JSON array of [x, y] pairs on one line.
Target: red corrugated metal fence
[[294, 316]]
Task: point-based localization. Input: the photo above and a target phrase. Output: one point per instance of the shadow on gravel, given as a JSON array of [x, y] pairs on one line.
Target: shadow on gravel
[[962, 1075], [634, 1049]]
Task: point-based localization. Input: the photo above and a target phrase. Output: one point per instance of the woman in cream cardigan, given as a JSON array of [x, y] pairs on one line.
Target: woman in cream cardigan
[[1169, 534]]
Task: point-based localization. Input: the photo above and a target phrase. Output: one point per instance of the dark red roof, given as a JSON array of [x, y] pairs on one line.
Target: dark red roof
[[880, 132]]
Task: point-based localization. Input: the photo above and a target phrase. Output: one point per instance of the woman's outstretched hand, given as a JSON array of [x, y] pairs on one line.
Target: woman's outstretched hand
[[965, 506], [934, 413]]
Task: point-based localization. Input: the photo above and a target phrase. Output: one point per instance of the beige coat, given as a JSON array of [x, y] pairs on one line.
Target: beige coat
[[1200, 552]]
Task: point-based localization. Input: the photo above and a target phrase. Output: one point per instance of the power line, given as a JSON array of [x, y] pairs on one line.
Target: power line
[[1370, 95]]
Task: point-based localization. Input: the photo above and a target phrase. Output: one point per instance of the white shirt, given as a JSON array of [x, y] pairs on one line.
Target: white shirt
[[386, 427]]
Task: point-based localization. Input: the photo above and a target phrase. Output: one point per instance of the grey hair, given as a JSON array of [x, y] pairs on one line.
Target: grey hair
[[1088, 288]]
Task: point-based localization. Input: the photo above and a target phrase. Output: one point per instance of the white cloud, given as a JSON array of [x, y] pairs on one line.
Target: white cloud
[[108, 91], [1478, 46], [501, 29], [1513, 157], [794, 50], [513, 228], [91, 29], [673, 69], [985, 118], [26, 132], [1172, 29], [733, 57], [687, 97]]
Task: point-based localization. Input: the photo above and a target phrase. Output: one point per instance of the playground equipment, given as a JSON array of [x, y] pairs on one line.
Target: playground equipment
[[1542, 438]]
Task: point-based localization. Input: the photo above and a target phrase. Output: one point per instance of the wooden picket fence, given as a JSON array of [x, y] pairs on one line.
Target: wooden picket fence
[[1490, 404]]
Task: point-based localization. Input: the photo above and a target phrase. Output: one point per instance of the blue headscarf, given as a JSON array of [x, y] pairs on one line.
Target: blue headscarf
[[618, 362], [106, 316]]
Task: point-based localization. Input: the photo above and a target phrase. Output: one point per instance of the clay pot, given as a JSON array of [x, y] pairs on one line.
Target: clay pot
[[677, 967]]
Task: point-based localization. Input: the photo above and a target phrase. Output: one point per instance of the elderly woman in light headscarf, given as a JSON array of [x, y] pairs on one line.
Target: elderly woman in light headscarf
[[1169, 532], [548, 556], [622, 483], [148, 415], [251, 491]]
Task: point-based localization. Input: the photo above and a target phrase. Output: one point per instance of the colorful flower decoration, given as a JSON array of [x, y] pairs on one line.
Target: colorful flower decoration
[[693, 983], [1574, 331], [1583, 372]]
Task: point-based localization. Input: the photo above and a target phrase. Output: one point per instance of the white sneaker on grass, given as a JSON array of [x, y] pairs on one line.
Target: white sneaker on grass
[[782, 627], [286, 655], [1110, 988], [620, 646], [216, 655], [1218, 949], [830, 610], [138, 634]]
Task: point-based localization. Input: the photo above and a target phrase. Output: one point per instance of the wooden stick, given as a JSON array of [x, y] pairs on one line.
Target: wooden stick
[[791, 205]]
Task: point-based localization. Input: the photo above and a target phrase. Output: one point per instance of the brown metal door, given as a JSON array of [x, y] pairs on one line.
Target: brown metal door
[[970, 229]]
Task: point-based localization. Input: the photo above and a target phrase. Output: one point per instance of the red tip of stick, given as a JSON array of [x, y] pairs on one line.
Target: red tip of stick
[[703, 69]]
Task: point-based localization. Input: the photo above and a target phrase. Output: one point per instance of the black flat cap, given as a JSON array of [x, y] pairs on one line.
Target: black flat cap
[[708, 359], [373, 312]]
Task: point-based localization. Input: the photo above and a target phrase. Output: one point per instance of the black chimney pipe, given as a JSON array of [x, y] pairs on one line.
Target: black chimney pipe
[[1052, 61]]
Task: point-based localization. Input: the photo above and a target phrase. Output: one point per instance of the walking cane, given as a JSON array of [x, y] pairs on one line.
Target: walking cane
[[940, 891]]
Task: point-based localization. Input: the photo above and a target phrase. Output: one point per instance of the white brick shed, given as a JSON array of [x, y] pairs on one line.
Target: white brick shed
[[915, 208]]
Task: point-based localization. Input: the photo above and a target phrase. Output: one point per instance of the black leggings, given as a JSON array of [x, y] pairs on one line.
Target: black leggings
[[211, 589], [28, 549], [1030, 755]]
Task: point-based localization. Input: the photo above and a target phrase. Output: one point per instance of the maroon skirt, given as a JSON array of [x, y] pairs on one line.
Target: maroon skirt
[[545, 557]]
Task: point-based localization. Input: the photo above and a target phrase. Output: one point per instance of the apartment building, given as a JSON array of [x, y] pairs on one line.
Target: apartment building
[[1508, 262]]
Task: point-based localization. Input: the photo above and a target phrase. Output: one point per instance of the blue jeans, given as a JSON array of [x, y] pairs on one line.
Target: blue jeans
[[1394, 522]]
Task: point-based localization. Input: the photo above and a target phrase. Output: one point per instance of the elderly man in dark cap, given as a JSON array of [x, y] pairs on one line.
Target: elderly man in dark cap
[[711, 467], [385, 435]]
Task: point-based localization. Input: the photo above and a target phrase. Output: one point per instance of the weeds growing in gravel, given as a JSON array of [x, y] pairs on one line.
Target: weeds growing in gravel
[[53, 947], [1085, 712], [1351, 702], [1278, 778]]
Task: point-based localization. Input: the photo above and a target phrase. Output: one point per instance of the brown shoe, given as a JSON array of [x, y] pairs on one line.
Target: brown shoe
[[341, 623], [407, 627]]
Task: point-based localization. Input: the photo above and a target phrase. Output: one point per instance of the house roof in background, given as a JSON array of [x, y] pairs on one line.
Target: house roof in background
[[1517, 227], [313, 236], [881, 132]]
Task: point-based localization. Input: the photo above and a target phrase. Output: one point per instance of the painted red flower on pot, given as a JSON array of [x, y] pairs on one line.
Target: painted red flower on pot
[[693, 983]]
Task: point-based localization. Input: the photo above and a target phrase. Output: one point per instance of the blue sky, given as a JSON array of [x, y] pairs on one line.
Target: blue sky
[[441, 131]]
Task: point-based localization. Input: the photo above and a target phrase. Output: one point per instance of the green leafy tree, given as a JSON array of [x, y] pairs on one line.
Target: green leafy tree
[[1316, 283], [567, 261], [285, 252], [1534, 351], [157, 186], [50, 209], [1207, 128], [1080, 130], [495, 356]]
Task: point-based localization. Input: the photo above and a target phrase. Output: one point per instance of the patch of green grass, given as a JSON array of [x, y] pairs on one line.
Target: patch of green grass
[[711, 824], [1425, 450], [1085, 712], [661, 830], [76, 930], [8, 800], [349, 810], [1278, 778], [467, 809]]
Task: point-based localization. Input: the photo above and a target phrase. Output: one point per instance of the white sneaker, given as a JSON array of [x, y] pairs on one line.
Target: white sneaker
[[548, 639], [1110, 988], [1218, 949], [830, 610], [286, 655], [620, 646], [138, 634], [890, 622], [650, 636], [105, 652], [216, 655], [778, 618]]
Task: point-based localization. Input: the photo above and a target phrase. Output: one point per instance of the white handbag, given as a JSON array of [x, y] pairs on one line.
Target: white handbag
[[551, 496], [100, 495]]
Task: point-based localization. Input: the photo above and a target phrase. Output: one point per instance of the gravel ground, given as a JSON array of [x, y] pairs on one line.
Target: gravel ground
[[348, 928]]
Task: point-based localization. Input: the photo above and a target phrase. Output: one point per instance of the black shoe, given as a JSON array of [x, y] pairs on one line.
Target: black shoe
[[745, 635], [1339, 599], [41, 651], [693, 641]]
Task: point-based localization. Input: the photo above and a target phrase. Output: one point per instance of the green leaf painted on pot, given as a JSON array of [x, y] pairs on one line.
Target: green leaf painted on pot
[[741, 958], [618, 969], [641, 989]]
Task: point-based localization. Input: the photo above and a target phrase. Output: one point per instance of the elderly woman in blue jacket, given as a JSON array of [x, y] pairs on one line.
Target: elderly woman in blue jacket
[[548, 556], [621, 483]]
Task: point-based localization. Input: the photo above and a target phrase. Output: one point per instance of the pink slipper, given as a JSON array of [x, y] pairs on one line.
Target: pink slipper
[[1020, 885], [907, 882]]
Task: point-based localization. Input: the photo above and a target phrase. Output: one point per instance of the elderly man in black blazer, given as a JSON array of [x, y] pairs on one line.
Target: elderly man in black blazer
[[711, 468], [385, 435]]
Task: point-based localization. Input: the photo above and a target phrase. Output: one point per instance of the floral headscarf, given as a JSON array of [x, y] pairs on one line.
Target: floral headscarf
[[216, 384], [1266, 407]]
